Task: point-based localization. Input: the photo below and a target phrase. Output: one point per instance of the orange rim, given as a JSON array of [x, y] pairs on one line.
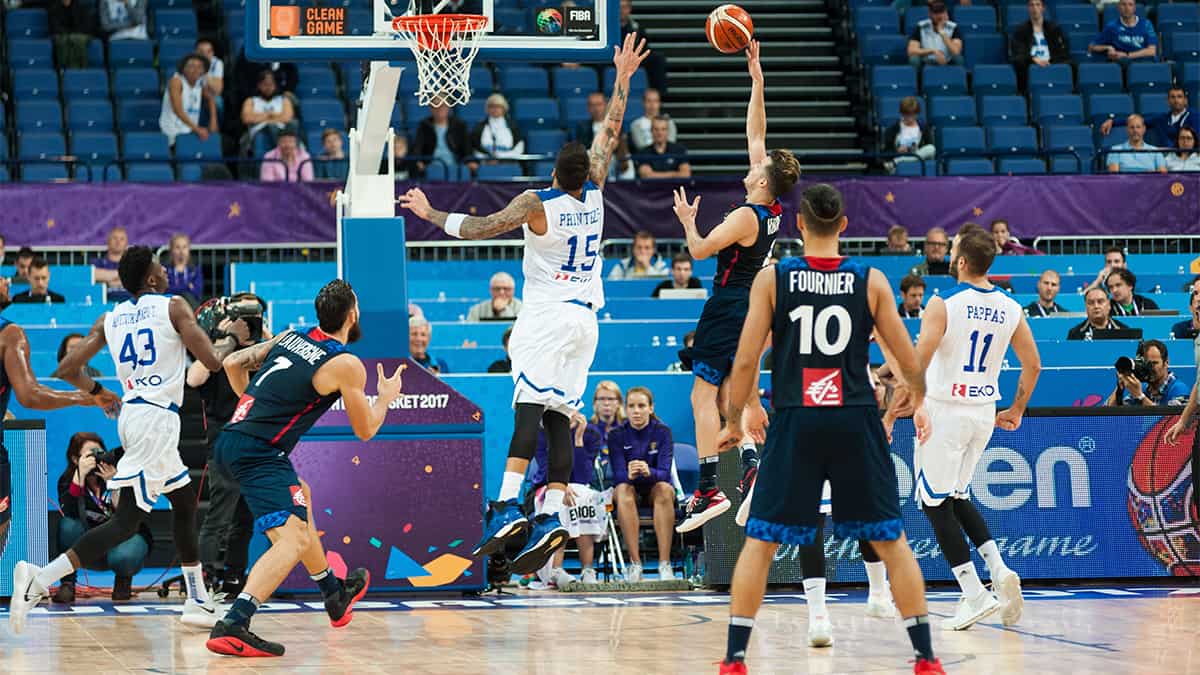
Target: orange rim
[[434, 31]]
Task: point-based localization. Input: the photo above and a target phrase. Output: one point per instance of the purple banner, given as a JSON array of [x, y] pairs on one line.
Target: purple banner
[[424, 400], [256, 213]]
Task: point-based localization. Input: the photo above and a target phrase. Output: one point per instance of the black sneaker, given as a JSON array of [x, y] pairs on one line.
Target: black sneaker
[[701, 508], [122, 589], [749, 473], [234, 639], [232, 582], [339, 606]]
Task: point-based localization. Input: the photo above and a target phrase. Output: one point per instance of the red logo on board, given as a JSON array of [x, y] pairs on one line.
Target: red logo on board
[[243, 408], [822, 386], [298, 496]]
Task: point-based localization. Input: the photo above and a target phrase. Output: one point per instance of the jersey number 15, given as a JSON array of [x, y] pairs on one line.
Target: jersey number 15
[[589, 253]]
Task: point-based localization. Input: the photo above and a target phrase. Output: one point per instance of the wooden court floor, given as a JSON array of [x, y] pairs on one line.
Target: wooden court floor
[[1133, 630]]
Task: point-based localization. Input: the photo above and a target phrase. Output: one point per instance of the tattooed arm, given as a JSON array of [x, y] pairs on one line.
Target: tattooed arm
[[241, 363], [627, 59], [509, 218]]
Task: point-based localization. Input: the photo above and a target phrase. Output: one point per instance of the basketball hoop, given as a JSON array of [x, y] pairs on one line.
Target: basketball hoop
[[444, 45]]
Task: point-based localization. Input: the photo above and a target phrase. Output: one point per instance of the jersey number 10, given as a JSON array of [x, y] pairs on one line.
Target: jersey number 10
[[817, 331]]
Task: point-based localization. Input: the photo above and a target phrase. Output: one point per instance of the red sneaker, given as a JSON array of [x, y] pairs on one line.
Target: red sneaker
[[735, 668], [927, 667], [701, 508]]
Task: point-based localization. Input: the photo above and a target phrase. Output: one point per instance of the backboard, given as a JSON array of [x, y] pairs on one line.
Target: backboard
[[530, 31]]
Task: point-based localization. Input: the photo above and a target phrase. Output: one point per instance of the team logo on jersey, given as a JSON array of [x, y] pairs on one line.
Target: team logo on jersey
[[243, 408], [822, 386], [298, 496], [972, 390]]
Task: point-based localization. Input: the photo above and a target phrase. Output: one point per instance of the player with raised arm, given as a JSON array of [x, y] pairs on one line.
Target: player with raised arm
[[299, 376], [820, 311], [554, 339], [742, 243], [149, 338], [965, 334]]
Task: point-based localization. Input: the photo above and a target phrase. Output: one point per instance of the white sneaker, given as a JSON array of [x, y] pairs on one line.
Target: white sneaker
[[820, 631], [743, 512], [1008, 587], [970, 611], [27, 593], [665, 571], [561, 578], [633, 573], [202, 615], [881, 606], [588, 576]]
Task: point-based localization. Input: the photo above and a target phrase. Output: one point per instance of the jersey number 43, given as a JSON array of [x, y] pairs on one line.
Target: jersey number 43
[[138, 349]]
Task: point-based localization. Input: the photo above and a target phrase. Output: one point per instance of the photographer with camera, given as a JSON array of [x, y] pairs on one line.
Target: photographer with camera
[[1147, 379], [86, 503], [228, 526]]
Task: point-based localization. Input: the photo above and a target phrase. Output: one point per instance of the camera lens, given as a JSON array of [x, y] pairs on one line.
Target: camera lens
[[1124, 365]]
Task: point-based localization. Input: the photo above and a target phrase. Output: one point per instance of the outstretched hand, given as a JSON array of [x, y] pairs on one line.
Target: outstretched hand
[[389, 387], [1176, 430], [628, 57], [415, 200], [683, 210], [752, 62]]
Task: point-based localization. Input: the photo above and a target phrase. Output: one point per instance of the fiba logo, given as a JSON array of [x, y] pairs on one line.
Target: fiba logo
[[1160, 500], [549, 20]]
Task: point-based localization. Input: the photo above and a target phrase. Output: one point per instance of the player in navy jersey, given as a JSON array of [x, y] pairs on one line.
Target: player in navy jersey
[[300, 375], [820, 311], [742, 243]]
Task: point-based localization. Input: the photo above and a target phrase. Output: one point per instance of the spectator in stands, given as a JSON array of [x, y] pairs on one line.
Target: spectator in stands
[[689, 339], [1123, 300], [419, 333], [25, 256], [71, 27], [664, 159], [123, 19], [937, 247], [497, 136], [87, 504], [912, 296], [897, 241], [503, 306], [289, 161], [1006, 244], [681, 275], [183, 98], [1188, 329], [1048, 286], [214, 79], [68, 343], [39, 285], [1037, 42], [1099, 316], [936, 40], [1187, 158], [267, 112], [400, 158], [597, 106], [248, 73], [443, 139], [1162, 129], [640, 132], [641, 450], [1126, 38], [1136, 162], [656, 63], [184, 278], [1114, 258], [106, 265], [645, 261], [909, 136], [332, 163], [1162, 389], [503, 365]]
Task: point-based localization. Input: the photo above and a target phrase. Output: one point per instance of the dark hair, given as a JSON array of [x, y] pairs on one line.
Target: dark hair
[[26, 252], [286, 131], [681, 257], [199, 57], [134, 266], [1176, 87], [1115, 249], [977, 247], [38, 263], [911, 281], [996, 222], [1157, 344], [572, 166], [643, 234], [504, 338], [783, 172], [1127, 276], [62, 346], [1093, 289], [822, 209], [910, 105], [333, 304], [75, 447], [263, 75], [203, 39], [644, 391]]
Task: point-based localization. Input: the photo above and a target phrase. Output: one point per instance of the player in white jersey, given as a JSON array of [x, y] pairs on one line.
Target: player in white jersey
[[149, 337], [554, 339], [965, 334]]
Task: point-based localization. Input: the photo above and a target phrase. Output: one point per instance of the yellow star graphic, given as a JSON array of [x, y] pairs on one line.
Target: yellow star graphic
[[890, 198], [977, 211], [235, 210], [50, 223]]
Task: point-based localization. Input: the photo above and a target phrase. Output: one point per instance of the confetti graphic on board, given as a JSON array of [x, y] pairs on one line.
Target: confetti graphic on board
[[400, 566], [376, 543]]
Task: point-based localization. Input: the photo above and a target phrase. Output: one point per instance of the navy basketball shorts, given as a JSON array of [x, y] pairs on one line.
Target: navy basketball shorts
[[266, 477], [710, 357], [806, 447]]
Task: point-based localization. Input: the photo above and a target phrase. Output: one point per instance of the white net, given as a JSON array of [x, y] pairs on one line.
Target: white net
[[444, 46]]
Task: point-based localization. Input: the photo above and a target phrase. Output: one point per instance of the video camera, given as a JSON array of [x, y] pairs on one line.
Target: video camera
[[245, 306]]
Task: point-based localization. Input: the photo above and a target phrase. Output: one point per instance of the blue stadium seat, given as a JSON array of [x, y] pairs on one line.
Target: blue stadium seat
[[43, 173], [1076, 16], [944, 80], [499, 172], [95, 147], [1058, 109], [1189, 73], [1074, 142], [887, 110], [1108, 106], [1003, 111], [1020, 166], [975, 19], [868, 20], [994, 79], [481, 78], [964, 166], [952, 111], [316, 81], [926, 167], [1079, 40], [175, 23], [131, 83], [961, 141], [512, 20], [35, 83], [190, 147], [1100, 78], [360, 22], [984, 48], [884, 49], [90, 115], [30, 53], [169, 4], [473, 111], [95, 54], [543, 169], [323, 112], [1185, 47], [4, 174], [567, 81], [41, 145], [1012, 141], [1015, 15], [138, 115], [235, 27], [1149, 77], [38, 116], [1053, 79], [130, 54], [637, 84], [438, 171], [537, 112], [517, 81], [544, 141], [573, 110], [25, 23], [150, 172], [145, 145], [893, 81], [1117, 136], [1110, 13], [914, 16], [85, 83], [1152, 104], [1174, 17], [171, 51]]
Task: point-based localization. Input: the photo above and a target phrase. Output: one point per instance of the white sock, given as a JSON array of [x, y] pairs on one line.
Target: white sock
[[553, 502], [510, 488], [877, 578], [193, 578], [814, 594], [991, 556], [968, 579], [57, 569]]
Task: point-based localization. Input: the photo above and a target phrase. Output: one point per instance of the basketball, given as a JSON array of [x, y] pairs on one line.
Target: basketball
[[1159, 502], [729, 29]]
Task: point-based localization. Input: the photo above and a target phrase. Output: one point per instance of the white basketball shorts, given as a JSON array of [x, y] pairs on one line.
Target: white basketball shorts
[[151, 464], [589, 516], [946, 461], [552, 347]]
